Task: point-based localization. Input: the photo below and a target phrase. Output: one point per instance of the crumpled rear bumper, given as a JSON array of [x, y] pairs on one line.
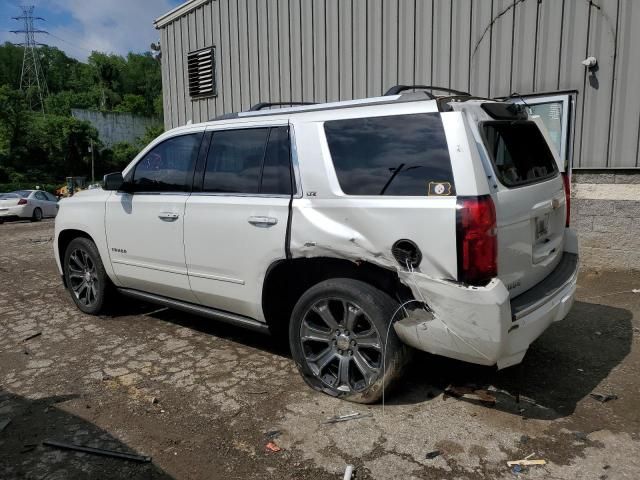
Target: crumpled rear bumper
[[481, 324]]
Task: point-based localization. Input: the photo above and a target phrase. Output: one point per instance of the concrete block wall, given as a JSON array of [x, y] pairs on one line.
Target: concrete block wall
[[114, 127], [605, 211]]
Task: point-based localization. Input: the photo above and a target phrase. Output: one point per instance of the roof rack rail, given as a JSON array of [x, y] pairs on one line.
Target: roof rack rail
[[401, 88], [261, 105]]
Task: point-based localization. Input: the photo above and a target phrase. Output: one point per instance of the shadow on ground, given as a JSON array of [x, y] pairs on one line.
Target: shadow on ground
[[22, 454], [561, 368]]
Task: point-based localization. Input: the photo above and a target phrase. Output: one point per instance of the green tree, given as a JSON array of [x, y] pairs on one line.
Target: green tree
[[14, 124]]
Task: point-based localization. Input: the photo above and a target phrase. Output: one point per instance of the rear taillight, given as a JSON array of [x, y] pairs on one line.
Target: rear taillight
[[22, 201], [477, 240], [567, 196]]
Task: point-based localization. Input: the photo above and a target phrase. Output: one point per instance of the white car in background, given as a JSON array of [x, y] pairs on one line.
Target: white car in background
[[27, 204]]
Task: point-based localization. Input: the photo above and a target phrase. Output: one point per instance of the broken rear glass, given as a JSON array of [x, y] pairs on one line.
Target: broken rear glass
[[519, 152]]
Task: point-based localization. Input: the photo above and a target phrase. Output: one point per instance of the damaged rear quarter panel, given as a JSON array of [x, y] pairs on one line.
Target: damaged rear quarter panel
[[326, 222]]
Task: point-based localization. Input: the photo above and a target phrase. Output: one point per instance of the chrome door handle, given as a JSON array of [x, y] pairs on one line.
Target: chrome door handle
[[262, 221], [168, 216]]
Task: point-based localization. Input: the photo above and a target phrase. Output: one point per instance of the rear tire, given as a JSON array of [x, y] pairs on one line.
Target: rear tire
[[37, 215], [85, 276], [337, 338]]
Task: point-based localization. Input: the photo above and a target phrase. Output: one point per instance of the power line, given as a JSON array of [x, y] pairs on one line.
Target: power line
[[32, 79]]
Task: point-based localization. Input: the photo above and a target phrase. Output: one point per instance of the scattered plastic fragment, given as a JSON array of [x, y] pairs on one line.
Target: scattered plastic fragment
[[272, 434], [348, 472], [636, 290], [31, 337], [4, 424], [97, 451], [517, 469], [470, 393], [526, 463], [272, 447], [602, 398], [434, 454], [349, 416]]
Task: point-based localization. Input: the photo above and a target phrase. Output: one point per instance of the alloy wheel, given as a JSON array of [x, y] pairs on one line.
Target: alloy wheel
[[341, 345], [83, 277]]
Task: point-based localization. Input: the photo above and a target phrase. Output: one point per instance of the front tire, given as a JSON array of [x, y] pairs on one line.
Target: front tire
[[37, 215], [337, 337], [85, 276]]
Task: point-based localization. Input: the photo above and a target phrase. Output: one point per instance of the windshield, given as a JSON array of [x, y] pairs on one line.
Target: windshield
[[519, 152]]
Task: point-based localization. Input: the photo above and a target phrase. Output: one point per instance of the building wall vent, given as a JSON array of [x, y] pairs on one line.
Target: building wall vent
[[201, 66]]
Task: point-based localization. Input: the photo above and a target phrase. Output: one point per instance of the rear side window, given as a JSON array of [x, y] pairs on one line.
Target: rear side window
[[404, 155], [519, 152], [234, 161], [168, 167], [276, 173], [255, 160]]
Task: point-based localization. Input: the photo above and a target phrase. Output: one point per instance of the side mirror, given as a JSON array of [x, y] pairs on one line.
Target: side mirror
[[113, 181]]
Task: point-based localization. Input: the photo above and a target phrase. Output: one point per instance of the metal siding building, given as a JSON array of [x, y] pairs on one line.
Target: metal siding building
[[326, 50]]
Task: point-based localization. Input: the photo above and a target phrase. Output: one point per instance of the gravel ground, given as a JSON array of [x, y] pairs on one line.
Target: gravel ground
[[203, 399]]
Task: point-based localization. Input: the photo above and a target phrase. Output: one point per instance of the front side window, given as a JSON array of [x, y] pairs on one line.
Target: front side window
[[253, 160], [519, 152], [168, 167], [403, 155]]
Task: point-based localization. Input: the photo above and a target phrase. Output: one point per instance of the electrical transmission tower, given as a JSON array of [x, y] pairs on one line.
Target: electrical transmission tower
[[32, 80]]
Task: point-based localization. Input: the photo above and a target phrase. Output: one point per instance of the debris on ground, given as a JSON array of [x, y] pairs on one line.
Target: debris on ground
[[470, 393], [41, 240], [525, 462], [272, 447], [29, 447], [348, 472], [31, 337], [433, 454], [271, 434], [97, 451], [4, 424], [154, 400], [349, 416], [581, 436], [636, 290], [603, 398]]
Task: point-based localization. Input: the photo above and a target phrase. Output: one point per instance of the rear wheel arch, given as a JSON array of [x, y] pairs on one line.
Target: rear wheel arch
[[287, 280]]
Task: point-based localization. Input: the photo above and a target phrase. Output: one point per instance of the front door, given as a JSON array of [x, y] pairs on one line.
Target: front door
[[145, 229], [235, 227]]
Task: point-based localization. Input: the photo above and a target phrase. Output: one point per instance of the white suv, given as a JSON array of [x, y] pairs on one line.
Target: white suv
[[444, 217]]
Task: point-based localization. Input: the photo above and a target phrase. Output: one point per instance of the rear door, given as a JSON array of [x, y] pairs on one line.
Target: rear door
[[236, 224], [530, 200]]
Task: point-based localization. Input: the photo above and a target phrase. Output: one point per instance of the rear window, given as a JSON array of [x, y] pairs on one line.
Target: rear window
[[519, 152], [403, 155]]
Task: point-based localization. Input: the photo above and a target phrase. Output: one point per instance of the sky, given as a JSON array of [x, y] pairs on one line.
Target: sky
[[80, 26]]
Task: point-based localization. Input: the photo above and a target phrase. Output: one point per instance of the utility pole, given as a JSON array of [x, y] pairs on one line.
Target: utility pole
[[32, 80]]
